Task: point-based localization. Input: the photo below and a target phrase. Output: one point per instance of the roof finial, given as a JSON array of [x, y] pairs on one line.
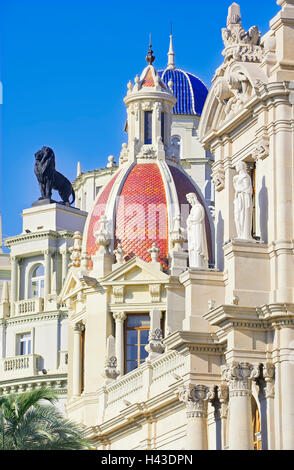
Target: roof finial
[[171, 55], [150, 57], [79, 169]]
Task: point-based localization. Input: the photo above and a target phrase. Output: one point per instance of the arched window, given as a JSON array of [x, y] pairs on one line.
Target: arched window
[[37, 281], [177, 142], [256, 426]]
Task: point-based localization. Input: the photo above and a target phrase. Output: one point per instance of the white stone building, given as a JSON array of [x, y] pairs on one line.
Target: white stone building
[[165, 356], [191, 94], [33, 325]]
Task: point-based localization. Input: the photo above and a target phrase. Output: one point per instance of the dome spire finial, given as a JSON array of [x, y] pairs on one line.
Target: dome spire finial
[[150, 57], [171, 55]]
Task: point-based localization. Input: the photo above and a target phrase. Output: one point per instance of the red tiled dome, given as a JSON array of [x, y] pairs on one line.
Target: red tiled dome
[[140, 212], [141, 217], [99, 209]]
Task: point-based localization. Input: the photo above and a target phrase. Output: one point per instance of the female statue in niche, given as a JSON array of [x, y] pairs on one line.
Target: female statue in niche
[[197, 243], [243, 202]]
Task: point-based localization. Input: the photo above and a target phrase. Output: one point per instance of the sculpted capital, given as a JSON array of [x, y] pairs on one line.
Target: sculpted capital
[[196, 398], [239, 376], [119, 316]]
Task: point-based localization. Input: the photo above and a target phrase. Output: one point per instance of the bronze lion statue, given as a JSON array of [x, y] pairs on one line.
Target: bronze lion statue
[[50, 179]]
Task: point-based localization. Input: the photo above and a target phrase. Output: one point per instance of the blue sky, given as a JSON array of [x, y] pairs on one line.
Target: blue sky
[[64, 68]]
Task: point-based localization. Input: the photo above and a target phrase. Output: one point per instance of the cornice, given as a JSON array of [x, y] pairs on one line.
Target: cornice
[[44, 234], [80, 180], [209, 276], [264, 93], [265, 317], [136, 412], [34, 317], [58, 381], [189, 341]]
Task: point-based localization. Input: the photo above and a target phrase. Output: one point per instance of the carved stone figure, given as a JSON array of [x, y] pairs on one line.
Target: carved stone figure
[[197, 244], [243, 202], [50, 179]]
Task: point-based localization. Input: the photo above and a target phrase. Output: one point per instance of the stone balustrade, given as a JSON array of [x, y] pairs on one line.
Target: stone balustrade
[[142, 383], [28, 306], [23, 384], [20, 366]]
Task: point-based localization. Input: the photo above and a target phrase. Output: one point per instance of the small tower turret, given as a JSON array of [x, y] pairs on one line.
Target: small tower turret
[[150, 105]]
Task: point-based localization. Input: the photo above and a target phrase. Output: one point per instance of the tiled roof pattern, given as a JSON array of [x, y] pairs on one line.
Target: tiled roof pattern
[[189, 90], [148, 80], [141, 216], [98, 210]]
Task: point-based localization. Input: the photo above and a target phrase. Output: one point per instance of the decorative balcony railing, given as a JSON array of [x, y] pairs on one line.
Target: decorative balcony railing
[[148, 381], [27, 306], [20, 366]]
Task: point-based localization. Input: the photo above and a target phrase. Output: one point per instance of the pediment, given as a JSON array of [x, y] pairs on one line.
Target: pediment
[[234, 85], [71, 286], [135, 271]]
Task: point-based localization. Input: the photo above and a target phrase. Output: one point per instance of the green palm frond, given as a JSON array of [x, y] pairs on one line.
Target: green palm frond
[[26, 423]]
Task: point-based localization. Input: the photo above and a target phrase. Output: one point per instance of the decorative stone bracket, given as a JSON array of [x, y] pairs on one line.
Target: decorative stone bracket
[[118, 294], [261, 149], [155, 345], [154, 290], [110, 368]]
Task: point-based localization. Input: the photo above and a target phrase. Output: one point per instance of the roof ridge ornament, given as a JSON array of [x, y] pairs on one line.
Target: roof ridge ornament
[[150, 58], [240, 45]]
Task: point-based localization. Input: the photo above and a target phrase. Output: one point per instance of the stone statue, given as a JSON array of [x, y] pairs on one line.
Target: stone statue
[[50, 179], [243, 202], [197, 243]]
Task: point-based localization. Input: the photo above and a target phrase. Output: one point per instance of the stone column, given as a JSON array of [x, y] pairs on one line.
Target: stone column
[[65, 263], [119, 318], [196, 398], [21, 280], [284, 201], [14, 282], [286, 386], [239, 376], [47, 281], [78, 328], [269, 393], [223, 395]]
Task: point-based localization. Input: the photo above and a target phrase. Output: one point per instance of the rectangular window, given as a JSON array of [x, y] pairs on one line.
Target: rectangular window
[[24, 344], [162, 127], [148, 127], [136, 338]]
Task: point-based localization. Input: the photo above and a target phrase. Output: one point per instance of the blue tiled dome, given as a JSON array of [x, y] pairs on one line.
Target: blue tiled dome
[[189, 90]]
